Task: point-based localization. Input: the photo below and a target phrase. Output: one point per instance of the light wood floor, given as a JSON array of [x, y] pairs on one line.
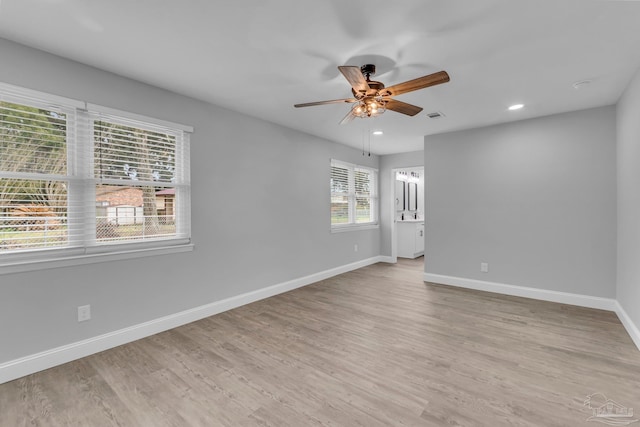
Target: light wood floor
[[374, 347]]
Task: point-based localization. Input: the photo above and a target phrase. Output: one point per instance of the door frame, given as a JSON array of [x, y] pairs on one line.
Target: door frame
[[392, 207]]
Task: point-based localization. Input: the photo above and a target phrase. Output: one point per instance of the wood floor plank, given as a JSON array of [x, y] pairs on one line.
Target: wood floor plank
[[372, 347]]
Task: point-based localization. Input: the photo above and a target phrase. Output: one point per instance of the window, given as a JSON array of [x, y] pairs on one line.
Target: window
[[139, 172], [354, 196], [78, 179]]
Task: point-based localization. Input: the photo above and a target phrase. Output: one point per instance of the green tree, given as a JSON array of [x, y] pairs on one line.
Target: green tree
[[33, 141]]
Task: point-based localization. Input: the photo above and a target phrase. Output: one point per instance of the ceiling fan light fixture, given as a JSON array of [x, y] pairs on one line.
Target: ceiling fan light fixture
[[360, 109], [368, 108]]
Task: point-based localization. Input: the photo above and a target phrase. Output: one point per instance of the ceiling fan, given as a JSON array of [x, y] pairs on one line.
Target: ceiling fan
[[372, 98]]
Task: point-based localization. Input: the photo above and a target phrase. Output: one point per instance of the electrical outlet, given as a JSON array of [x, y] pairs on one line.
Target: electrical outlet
[[355, 248], [84, 313], [484, 267]]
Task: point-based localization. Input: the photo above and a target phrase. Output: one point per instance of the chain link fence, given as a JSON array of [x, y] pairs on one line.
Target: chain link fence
[[137, 227], [34, 231]]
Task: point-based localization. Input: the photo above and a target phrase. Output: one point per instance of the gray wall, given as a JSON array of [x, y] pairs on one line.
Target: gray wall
[[260, 216], [536, 199], [387, 164], [628, 128]]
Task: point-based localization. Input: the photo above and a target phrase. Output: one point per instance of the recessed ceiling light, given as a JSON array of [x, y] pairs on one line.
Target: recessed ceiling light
[[516, 107], [377, 132]]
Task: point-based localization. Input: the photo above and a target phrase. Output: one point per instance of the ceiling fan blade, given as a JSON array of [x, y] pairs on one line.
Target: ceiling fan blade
[[415, 84], [402, 107], [348, 118], [333, 101], [355, 78]]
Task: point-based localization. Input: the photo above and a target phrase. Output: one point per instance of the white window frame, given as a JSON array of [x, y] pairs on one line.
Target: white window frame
[[352, 225], [80, 174]]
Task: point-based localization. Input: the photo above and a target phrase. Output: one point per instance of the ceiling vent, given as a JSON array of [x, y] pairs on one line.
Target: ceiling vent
[[435, 115]]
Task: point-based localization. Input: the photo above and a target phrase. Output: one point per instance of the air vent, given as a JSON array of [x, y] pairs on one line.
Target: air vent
[[435, 115]]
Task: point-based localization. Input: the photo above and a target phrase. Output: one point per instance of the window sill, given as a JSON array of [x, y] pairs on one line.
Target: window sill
[[19, 266], [354, 227]]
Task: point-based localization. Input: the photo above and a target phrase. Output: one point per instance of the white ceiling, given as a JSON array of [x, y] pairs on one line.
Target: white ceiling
[[262, 56]]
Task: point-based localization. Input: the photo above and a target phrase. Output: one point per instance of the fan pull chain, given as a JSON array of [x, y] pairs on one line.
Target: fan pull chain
[[370, 138]]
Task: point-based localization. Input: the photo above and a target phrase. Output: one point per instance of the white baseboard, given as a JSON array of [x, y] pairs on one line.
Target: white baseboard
[[49, 358], [387, 259], [608, 304], [526, 292], [628, 324]]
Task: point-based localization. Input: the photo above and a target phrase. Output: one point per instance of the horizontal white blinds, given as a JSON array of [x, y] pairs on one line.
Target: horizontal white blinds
[[32, 140], [72, 178], [365, 195], [134, 154], [34, 203], [341, 207], [364, 181], [140, 185], [354, 197], [33, 214]]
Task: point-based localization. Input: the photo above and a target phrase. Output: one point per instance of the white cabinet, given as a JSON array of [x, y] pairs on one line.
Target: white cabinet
[[410, 238], [420, 239]]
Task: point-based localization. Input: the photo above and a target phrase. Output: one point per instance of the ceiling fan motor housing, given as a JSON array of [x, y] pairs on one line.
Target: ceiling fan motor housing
[[368, 70], [374, 88]]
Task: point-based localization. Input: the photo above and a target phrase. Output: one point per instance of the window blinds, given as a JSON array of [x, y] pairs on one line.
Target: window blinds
[[72, 178], [33, 176], [354, 199], [140, 173]]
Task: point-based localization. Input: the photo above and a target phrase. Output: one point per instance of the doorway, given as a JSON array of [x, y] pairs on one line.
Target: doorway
[[407, 213]]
